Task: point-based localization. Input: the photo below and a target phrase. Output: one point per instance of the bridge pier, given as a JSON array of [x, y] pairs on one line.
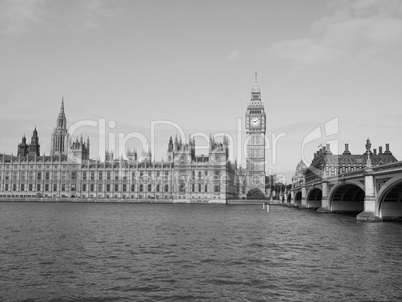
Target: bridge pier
[[369, 214], [325, 199], [304, 197]]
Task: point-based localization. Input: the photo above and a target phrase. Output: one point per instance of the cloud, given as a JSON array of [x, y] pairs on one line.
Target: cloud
[[353, 30], [93, 14], [19, 17], [234, 55]]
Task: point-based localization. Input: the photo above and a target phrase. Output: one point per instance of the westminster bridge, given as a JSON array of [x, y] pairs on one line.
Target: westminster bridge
[[373, 192]]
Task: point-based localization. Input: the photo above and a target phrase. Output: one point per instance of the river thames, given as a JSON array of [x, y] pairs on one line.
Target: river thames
[[140, 252]]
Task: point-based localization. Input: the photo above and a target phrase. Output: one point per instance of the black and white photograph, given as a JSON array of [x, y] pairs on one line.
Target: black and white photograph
[[198, 150]]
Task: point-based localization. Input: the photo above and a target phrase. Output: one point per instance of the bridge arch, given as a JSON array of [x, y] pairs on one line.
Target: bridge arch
[[390, 199], [298, 198], [314, 197], [347, 197]]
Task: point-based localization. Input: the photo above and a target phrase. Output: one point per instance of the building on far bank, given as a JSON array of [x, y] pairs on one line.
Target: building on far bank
[[185, 177], [69, 172], [255, 144], [325, 164]]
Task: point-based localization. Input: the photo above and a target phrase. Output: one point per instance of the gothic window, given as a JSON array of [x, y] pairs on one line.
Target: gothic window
[[182, 186]]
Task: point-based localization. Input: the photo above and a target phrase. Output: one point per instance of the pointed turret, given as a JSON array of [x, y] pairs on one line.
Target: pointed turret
[[170, 149], [176, 144], [23, 147], [59, 140], [34, 147], [170, 145], [62, 106], [256, 88], [35, 133]]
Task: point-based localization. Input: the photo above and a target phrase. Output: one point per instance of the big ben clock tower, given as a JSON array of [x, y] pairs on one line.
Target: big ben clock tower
[[255, 130]]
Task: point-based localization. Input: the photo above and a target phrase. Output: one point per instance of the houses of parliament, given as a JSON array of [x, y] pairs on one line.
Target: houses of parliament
[[69, 172]]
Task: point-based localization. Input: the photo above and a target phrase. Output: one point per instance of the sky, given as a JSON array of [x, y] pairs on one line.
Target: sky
[[329, 72]]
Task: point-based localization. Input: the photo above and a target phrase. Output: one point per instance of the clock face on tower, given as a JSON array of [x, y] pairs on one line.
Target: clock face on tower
[[255, 122]]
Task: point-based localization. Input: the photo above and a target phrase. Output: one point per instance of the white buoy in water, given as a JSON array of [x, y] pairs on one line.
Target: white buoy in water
[[267, 208], [263, 205]]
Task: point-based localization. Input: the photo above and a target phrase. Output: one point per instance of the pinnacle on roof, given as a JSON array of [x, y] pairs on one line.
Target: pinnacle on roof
[[256, 88], [62, 105]]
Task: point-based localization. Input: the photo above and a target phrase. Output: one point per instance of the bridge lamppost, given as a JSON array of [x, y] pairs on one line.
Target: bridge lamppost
[[369, 213]]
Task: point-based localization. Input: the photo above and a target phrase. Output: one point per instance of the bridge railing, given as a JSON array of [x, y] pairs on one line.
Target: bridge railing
[[391, 166]]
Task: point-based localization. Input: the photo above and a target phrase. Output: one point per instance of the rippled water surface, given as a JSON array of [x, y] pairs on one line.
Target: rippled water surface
[[132, 252]]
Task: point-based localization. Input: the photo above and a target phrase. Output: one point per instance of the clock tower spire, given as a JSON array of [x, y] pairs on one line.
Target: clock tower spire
[[255, 141]]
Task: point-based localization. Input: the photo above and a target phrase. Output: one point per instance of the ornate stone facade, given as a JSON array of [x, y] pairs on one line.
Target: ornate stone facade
[[184, 177], [255, 141], [326, 164], [69, 172]]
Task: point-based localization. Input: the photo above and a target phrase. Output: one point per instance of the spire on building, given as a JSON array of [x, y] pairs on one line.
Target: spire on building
[[59, 139], [34, 147], [62, 106], [256, 88]]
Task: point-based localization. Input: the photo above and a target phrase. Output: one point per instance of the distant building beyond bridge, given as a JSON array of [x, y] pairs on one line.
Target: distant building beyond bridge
[[369, 184]]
